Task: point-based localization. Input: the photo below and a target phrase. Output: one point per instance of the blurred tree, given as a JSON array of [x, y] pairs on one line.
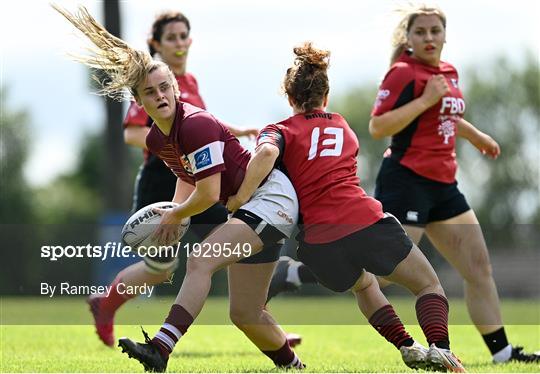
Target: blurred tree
[[15, 194], [355, 106], [504, 101]]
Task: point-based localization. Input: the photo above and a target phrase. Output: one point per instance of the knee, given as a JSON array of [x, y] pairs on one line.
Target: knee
[[199, 266], [479, 269], [366, 281], [242, 316]]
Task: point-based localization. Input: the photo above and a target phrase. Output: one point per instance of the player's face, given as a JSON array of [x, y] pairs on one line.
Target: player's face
[[174, 44], [426, 38], [156, 95]]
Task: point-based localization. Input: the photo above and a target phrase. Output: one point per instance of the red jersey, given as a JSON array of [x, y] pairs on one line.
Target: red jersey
[[426, 145], [189, 93], [318, 152], [199, 145]]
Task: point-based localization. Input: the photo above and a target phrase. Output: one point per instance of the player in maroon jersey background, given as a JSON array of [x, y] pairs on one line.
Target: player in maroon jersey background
[[420, 105], [169, 42], [201, 152], [345, 237]]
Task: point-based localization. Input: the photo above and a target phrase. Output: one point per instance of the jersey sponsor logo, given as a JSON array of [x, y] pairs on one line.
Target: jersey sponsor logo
[[412, 216], [203, 158], [447, 130], [186, 165], [452, 105], [381, 95], [285, 216]]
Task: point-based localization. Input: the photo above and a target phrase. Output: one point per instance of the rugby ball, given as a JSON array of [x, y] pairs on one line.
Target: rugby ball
[[138, 230]]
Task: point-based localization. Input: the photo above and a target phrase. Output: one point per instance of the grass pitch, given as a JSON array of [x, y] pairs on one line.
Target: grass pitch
[[348, 345]]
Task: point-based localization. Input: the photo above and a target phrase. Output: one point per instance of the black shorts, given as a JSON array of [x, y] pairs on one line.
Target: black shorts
[[155, 182], [378, 249], [416, 200]]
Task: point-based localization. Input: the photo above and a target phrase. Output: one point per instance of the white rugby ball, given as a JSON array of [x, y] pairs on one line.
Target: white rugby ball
[[138, 230]]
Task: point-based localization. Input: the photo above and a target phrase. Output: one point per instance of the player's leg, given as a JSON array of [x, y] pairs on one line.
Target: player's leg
[[382, 316], [154, 183], [461, 242], [248, 285], [257, 222], [415, 233], [289, 276], [154, 354], [416, 274]]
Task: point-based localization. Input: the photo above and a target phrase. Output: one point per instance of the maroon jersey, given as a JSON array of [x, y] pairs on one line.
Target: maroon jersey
[[318, 152], [427, 144], [189, 93], [198, 146]]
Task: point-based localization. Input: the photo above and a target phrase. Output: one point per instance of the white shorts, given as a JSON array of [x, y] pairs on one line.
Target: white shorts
[[276, 203]]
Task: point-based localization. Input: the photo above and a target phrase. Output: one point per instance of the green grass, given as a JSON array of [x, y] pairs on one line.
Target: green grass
[[220, 347]]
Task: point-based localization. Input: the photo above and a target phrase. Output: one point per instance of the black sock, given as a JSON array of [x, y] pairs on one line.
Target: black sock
[[305, 275], [496, 340]]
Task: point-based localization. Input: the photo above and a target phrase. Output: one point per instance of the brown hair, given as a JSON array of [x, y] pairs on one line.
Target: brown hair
[[159, 24], [306, 82], [124, 66], [409, 15]]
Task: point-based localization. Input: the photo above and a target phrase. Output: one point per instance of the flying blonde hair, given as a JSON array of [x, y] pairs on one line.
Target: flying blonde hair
[[408, 15], [124, 66]]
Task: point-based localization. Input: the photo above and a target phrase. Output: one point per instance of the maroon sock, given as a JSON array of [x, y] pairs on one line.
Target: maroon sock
[[284, 357], [432, 314], [388, 324], [174, 327], [111, 303]]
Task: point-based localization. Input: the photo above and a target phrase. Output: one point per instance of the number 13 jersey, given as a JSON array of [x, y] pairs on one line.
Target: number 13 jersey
[[318, 152]]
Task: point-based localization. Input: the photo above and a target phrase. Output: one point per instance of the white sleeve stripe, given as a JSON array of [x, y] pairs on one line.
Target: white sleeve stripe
[[207, 156]]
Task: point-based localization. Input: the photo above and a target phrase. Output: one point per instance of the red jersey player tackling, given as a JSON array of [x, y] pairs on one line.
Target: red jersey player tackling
[[346, 237]]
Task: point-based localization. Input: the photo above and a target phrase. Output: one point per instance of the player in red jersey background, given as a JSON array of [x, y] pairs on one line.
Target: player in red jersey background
[[420, 105], [346, 238]]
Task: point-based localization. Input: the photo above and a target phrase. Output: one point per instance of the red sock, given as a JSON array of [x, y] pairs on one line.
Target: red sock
[[388, 324], [111, 303], [284, 357], [172, 330], [432, 314]]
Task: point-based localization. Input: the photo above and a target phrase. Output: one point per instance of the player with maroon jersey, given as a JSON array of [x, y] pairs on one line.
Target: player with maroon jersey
[[170, 42], [346, 239], [202, 153], [420, 105]]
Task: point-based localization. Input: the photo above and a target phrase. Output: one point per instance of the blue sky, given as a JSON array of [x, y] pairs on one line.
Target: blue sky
[[240, 52]]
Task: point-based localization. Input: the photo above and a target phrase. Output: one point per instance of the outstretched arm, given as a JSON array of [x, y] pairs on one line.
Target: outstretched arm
[[250, 132], [482, 141], [136, 136]]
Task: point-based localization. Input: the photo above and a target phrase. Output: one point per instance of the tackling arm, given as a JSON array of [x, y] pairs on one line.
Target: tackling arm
[[260, 165]]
